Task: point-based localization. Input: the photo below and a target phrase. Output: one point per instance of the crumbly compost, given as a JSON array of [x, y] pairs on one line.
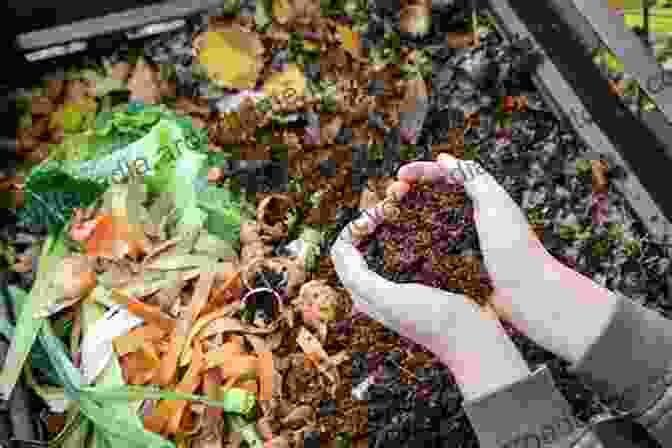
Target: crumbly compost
[[427, 237]]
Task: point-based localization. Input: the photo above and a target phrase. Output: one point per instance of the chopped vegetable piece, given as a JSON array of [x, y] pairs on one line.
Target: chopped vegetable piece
[[237, 400], [250, 386], [133, 340], [170, 360], [202, 323], [238, 366], [222, 354], [265, 374], [151, 314], [173, 410]]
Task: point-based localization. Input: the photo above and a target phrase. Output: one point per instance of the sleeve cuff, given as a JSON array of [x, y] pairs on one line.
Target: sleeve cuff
[[531, 412], [628, 364]]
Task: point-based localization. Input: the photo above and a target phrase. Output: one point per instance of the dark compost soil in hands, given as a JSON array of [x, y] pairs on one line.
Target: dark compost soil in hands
[[430, 241]]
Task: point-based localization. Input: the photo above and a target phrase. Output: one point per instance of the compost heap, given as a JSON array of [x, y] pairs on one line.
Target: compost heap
[[264, 320]]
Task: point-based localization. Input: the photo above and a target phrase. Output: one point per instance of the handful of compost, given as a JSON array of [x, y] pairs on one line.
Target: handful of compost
[[428, 237]]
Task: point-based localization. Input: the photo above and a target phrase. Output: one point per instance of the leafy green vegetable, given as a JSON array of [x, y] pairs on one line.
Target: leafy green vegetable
[[28, 325], [38, 358], [224, 212], [75, 117], [52, 195]]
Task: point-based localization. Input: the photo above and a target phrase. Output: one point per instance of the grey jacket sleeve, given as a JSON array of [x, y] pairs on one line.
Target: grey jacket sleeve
[[627, 365]]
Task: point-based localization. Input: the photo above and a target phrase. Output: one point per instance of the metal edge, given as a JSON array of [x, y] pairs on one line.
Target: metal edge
[[648, 211], [654, 120], [631, 51], [111, 23]]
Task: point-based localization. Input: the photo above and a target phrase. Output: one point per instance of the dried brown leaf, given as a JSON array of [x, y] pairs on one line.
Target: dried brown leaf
[[144, 83], [120, 71], [299, 416], [41, 105]]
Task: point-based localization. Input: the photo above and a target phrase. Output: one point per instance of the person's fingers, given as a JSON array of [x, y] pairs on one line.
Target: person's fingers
[[355, 274], [398, 189], [421, 171]]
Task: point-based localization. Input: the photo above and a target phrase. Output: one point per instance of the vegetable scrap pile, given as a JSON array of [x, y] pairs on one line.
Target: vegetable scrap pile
[[227, 348]]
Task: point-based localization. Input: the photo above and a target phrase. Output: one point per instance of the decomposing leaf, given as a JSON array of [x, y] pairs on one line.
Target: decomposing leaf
[[133, 340], [298, 416], [309, 344], [73, 116], [41, 105], [225, 324], [172, 410], [178, 339], [350, 40], [416, 19], [151, 314], [176, 262], [202, 323], [144, 83], [250, 386], [291, 80], [283, 11], [278, 442], [120, 71], [232, 57], [238, 366], [221, 355], [258, 344], [55, 88], [266, 370]]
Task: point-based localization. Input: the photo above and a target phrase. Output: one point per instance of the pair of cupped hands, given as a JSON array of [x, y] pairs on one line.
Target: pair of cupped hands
[[558, 308]]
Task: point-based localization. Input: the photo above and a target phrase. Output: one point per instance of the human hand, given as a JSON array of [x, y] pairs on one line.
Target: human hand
[[468, 339], [558, 308]]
